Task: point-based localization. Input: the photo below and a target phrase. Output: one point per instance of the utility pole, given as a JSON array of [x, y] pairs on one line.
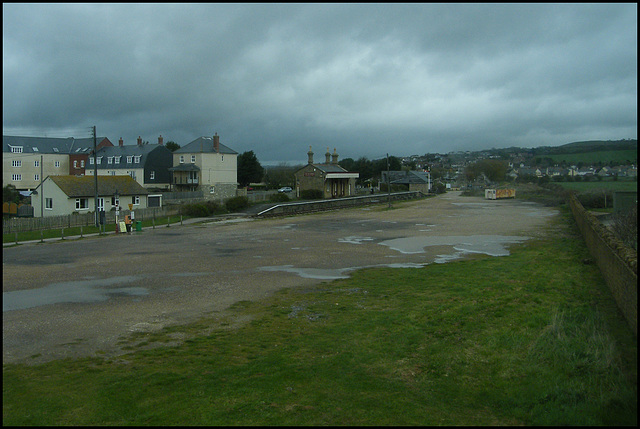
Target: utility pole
[[388, 182], [41, 189], [95, 175]]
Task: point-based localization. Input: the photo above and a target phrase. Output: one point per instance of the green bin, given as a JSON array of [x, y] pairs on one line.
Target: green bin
[[138, 225]]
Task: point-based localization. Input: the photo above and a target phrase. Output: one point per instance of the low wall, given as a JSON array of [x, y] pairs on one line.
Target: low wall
[[336, 203], [617, 262]]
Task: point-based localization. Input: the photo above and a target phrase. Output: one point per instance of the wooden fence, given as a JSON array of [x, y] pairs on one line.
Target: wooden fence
[[85, 219]]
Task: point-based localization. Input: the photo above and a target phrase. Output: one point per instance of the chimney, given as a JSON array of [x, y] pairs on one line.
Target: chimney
[[334, 157], [160, 140], [216, 142], [310, 153], [327, 157], [120, 142], [139, 141]]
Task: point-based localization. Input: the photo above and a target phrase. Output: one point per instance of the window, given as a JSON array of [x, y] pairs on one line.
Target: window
[[82, 163], [36, 163], [113, 173], [35, 149], [152, 175], [212, 190], [48, 203], [16, 149], [82, 203], [55, 149], [193, 159], [100, 204], [110, 160], [129, 159], [16, 177], [15, 163], [136, 200], [115, 201], [91, 161], [117, 159], [75, 164], [57, 163], [36, 177], [132, 174], [99, 160], [222, 158], [181, 159], [136, 159]]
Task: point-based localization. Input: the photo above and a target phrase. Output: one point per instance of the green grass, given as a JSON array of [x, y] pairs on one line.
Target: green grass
[[84, 230], [605, 185], [533, 338], [627, 156]]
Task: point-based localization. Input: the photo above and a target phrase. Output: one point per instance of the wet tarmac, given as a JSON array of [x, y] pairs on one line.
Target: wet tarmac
[[81, 297]]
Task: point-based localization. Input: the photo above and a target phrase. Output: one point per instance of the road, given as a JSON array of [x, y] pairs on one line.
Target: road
[[79, 297]]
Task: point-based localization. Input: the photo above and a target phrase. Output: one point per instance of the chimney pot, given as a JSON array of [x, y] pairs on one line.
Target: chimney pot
[[334, 157], [120, 142], [327, 157], [139, 141], [160, 140]]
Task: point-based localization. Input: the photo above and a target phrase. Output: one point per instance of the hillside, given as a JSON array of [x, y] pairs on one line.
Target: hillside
[[587, 146]]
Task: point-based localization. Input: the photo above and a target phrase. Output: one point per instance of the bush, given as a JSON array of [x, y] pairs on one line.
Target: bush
[[311, 194], [279, 198], [202, 209], [237, 204]]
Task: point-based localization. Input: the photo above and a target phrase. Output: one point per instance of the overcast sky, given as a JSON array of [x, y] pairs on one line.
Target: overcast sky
[[366, 79]]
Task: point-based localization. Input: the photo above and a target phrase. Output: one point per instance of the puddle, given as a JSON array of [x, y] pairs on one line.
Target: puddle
[[492, 245], [81, 291], [76, 291], [331, 274], [354, 240]]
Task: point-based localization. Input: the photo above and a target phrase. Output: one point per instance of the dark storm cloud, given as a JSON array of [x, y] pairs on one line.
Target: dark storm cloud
[[368, 79]]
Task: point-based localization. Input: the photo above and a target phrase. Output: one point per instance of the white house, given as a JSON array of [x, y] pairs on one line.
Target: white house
[[64, 195]]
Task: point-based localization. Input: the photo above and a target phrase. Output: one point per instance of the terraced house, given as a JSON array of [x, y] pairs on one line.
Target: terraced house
[[26, 161], [147, 164], [205, 165]]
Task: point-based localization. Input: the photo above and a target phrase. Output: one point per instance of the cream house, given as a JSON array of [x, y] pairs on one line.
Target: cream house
[[206, 165]]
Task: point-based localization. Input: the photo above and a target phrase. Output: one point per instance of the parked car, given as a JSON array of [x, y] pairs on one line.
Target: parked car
[[285, 189]]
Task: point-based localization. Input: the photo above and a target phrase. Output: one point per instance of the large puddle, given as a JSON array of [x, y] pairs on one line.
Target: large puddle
[[79, 291], [492, 245]]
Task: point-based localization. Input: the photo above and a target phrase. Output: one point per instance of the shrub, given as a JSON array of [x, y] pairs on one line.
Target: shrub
[[311, 194], [202, 209], [236, 204], [279, 198]]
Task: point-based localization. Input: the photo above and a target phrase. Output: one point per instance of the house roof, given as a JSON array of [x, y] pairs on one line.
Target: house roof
[[84, 186], [185, 167], [407, 177], [50, 145], [128, 150], [205, 144]]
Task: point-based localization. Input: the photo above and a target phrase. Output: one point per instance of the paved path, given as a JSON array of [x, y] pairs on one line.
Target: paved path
[[78, 297]]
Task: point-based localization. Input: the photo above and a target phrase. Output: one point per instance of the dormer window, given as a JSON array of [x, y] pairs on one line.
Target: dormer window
[[16, 149], [129, 159], [136, 159]]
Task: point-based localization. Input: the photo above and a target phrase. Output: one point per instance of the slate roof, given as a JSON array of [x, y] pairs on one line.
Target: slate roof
[[84, 186], [185, 167], [126, 150], [205, 144], [406, 177], [50, 145]]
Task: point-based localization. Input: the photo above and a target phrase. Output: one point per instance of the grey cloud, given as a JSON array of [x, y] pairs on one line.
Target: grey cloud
[[366, 78]]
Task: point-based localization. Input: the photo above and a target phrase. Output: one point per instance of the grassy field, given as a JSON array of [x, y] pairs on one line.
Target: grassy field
[[533, 338], [592, 158], [596, 186]]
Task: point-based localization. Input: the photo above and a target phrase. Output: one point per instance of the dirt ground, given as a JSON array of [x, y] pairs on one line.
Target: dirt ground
[[78, 298]]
